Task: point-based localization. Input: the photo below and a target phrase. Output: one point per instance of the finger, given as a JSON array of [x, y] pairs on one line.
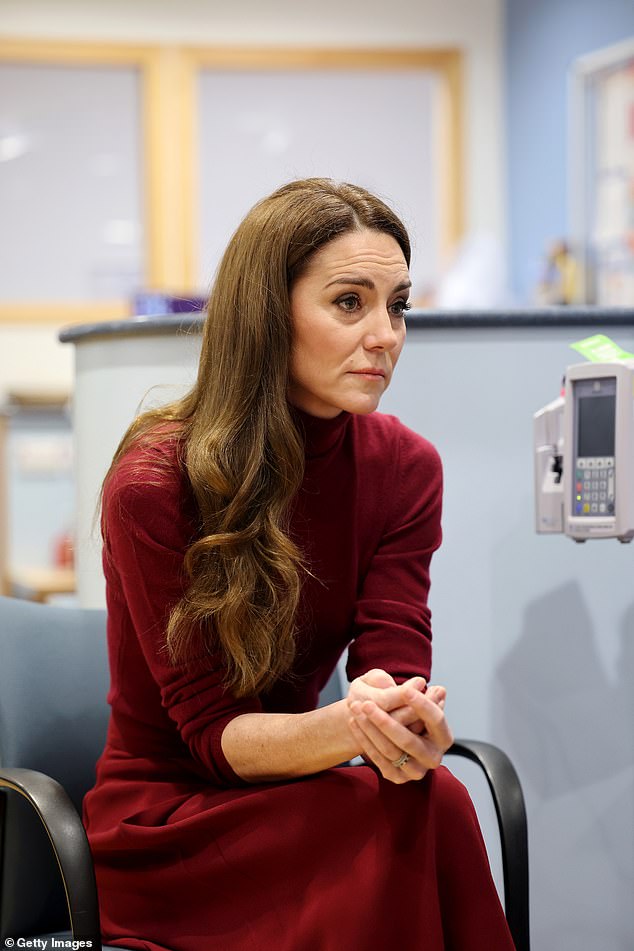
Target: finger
[[415, 683], [374, 734], [405, 714], [432, 714], [376, 725], [406, 717], [437, 693], [378, 678], [382, 752], [426, 750], [394, 697], [387, 698], [373, 756], [428, 705]]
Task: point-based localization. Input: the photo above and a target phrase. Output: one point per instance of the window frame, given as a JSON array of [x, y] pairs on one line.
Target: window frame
[[168, 140]]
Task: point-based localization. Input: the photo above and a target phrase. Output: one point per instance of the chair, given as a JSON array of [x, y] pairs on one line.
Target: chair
[[53, 719]]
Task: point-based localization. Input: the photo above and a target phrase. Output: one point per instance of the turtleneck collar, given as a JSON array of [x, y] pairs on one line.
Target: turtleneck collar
[[321, 435]]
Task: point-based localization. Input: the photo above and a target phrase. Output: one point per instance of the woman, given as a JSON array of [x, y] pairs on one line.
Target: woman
[[252, 532]]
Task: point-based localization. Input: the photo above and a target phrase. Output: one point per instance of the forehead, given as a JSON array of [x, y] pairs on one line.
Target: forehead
[[358, 250]]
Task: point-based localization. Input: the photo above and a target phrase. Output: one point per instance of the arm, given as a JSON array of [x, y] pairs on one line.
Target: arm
[[267, 746], [263, 747], [392, 632], [147, 535], [393, 621]]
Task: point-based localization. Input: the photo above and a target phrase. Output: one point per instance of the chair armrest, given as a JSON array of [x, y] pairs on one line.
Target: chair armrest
[[510, 810], [70, 846]]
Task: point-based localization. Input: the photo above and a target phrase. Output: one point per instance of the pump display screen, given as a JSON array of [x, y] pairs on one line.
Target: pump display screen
[[594, 451], [596, 425]]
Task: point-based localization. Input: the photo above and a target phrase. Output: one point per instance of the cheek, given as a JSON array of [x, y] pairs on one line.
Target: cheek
[[306, 352], [398, 350], [307, 358], [321, 346], [301, 339]]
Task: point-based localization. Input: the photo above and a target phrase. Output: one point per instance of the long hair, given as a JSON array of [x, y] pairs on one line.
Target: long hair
[[240, 446]]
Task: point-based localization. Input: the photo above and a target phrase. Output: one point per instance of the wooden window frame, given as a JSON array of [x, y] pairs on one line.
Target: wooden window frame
[[168, 76]]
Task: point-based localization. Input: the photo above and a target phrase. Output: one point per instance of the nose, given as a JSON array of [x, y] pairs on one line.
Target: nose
[[382, 332]]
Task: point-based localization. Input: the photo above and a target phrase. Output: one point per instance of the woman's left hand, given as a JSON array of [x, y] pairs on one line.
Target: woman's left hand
[[384, 740]]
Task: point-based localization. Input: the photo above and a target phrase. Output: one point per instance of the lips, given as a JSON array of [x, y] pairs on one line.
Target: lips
[[370, 371]]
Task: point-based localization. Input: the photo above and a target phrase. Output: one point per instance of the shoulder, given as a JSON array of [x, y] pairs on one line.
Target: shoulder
[[400, 484], [148, 486], [383, 438], [148, 467]]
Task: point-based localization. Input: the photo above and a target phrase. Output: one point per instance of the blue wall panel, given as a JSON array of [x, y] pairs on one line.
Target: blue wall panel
[[543, 38]]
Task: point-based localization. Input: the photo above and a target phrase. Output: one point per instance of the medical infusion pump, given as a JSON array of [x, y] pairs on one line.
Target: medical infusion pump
[[584, 454]]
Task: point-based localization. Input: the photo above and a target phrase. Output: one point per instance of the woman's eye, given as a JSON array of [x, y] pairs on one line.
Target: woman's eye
[[399, 307], [349, 303]]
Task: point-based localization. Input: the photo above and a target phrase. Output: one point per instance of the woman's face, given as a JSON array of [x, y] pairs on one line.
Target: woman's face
[[348, 309]]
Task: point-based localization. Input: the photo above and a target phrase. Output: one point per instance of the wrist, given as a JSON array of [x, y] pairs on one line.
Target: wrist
[[333, 725]]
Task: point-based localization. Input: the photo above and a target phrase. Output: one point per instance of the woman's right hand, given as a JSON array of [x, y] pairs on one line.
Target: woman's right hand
[[379, 686]]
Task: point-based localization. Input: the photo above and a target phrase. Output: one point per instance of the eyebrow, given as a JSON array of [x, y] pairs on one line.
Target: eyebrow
[[365, 282]]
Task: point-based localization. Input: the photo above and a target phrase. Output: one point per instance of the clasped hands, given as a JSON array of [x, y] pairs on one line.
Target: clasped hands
[[388, 719]]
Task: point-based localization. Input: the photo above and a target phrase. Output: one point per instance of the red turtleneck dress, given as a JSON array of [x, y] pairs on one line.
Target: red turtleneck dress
[[188, 856]]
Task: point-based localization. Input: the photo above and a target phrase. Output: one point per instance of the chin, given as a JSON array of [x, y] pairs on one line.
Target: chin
[[361, 407]]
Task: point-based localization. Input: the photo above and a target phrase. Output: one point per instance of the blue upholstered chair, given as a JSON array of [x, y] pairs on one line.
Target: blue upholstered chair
[[53, 718]]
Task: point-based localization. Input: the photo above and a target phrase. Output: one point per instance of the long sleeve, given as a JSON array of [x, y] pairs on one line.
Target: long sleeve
[[392, 620], [146, 536]]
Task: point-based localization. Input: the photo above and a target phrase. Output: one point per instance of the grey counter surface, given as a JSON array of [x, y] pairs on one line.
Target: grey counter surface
[[417, 319]]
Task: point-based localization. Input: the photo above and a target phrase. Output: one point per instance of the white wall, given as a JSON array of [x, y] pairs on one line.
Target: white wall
[[476, 27]]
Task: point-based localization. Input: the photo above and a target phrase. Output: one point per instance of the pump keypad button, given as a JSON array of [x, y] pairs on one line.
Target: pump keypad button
[[594, 488]]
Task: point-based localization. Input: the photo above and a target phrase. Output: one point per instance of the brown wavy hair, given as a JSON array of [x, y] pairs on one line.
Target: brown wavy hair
[[240, 445]]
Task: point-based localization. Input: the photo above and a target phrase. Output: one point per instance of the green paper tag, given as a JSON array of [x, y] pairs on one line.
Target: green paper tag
[[600, 349]]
